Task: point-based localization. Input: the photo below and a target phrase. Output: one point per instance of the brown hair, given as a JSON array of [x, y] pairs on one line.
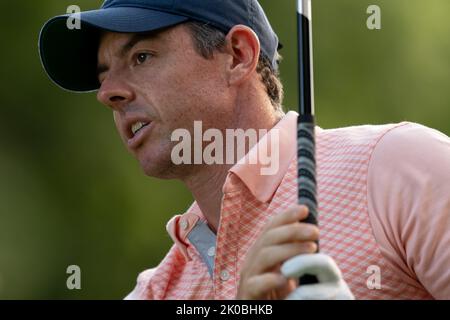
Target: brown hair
[[208, 39]]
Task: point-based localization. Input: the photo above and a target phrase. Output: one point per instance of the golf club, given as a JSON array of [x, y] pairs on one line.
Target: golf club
[[306, 159]]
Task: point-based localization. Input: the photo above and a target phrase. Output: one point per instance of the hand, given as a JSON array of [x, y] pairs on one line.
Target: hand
[[284, 237]]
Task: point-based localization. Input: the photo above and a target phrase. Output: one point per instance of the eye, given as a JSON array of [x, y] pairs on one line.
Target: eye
[[142, 57]]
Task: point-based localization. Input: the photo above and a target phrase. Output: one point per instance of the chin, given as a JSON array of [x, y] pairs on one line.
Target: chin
[[157, 165]]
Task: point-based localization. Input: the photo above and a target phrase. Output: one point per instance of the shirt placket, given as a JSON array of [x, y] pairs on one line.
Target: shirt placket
[[225, 267]]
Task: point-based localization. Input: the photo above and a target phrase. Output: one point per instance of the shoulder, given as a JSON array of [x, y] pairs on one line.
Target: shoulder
[[409, 163], [409, 204], [358, 140], [417, 155], [140, 291], [409, 167], [412, 139], [389, 143]]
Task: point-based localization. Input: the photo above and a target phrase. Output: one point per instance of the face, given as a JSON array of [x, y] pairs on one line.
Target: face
[[157, 84]]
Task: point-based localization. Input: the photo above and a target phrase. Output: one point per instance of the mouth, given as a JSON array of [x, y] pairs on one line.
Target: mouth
[[136, 131], [137, 126]]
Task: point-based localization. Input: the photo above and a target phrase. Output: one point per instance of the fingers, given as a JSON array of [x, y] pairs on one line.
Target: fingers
[[294, 214], [293, 232], [260, 285], [272, 256], [283, 238]]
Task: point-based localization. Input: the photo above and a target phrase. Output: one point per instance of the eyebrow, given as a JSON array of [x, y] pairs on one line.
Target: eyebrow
[[134, 40]]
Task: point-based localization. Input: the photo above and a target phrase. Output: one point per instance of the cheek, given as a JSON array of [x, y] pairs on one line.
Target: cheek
[[195, 92], [186, 88]]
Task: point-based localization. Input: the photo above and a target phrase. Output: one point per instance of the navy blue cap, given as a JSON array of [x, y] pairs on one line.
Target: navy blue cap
[[69, 56]]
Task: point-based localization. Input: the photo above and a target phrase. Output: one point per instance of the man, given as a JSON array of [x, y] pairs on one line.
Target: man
[[163, 65]]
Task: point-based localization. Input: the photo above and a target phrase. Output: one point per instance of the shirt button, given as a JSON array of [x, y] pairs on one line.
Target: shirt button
[[184, 224], [224, 275], [211, 251]]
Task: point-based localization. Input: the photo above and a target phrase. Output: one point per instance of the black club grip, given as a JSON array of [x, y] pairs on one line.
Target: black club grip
[[307, 185]]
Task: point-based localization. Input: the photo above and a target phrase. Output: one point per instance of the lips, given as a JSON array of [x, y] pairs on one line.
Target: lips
[[135, 129]]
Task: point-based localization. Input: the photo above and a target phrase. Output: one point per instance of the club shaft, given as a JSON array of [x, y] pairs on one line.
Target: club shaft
[[305, 63], [306, 158]]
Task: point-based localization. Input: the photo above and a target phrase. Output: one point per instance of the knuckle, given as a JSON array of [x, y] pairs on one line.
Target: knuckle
[[264, 252], [253, 288], [289, 213], [267, 237], [244, 272], [300, 232], [264, 241], [295, 231], [293, 212], [270, 224], [298, 229]]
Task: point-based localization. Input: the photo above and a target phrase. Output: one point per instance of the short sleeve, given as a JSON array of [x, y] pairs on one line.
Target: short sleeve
[[152, 283], [409, 204], [141, 291]]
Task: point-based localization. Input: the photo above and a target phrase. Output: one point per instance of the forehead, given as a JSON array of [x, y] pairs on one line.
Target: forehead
[[115, 41], [115, 46]]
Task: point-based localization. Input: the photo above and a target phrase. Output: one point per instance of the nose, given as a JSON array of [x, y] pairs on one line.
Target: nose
[[115, 93]]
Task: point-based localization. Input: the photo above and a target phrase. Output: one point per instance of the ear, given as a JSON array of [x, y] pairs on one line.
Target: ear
[[242, 44]]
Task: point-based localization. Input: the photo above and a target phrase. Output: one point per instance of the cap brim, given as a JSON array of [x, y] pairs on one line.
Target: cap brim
[[69, 56]]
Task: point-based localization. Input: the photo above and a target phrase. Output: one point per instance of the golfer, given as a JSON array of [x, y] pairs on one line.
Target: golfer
[[383, 190]]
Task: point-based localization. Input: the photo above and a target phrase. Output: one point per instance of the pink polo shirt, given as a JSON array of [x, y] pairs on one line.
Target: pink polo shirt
[[384, 215]]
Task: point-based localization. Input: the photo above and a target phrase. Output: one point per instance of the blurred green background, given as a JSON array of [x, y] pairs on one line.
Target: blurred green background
[[70, 193]]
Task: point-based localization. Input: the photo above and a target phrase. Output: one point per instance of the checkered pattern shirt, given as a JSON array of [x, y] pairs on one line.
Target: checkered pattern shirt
[[384, 215]]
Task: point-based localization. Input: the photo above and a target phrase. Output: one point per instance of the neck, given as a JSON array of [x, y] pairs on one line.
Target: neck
[[206, 188], [206, 182]]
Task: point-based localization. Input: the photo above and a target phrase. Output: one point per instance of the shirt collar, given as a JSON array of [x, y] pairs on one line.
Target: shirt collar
[[180, 226], [278, 145], [281, 140]]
